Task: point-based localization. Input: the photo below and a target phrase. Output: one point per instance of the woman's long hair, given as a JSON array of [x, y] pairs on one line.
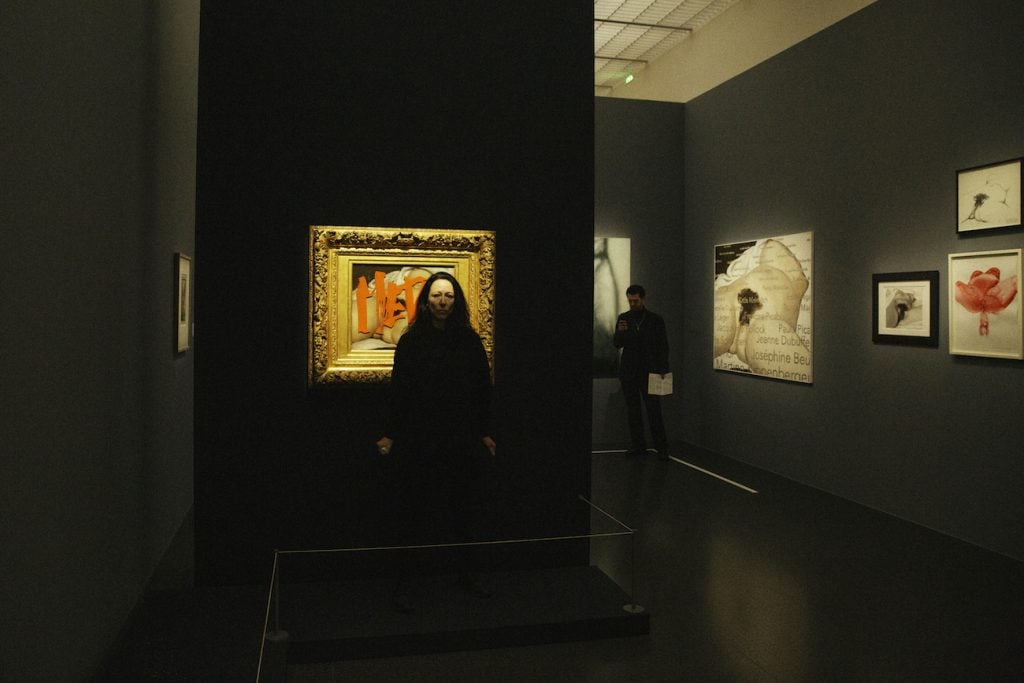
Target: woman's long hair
[[459, 317]]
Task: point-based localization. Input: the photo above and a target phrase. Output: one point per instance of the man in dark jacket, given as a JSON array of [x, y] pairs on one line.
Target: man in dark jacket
[[640, 334]]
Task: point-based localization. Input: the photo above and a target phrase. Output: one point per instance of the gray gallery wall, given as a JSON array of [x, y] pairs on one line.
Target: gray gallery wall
[[638, 193], [97, 193], [857, 134]]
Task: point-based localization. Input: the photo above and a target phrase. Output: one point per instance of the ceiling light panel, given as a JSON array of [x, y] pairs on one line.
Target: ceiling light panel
[[642, 31]]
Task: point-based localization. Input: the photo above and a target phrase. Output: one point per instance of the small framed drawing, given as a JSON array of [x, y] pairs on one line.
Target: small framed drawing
[[183, 299], [984, 306], [905, 308], [988, 197]]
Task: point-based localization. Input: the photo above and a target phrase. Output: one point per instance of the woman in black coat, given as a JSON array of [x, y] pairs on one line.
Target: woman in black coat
[[438, 427]]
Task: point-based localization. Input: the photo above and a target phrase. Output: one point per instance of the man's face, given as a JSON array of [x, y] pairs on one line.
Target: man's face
[[636, 302], [441, 299]]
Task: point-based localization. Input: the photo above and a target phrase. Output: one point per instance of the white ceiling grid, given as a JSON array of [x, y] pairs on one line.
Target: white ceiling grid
[[629, 34]]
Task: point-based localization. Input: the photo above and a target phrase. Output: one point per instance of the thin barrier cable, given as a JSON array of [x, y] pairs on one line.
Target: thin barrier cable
[[273, 598], [277, 603], [606, 514], [266, 616], [510, 541], [632, 607]]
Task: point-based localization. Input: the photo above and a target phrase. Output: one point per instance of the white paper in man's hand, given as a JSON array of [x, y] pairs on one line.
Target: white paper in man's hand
[[658, 385]]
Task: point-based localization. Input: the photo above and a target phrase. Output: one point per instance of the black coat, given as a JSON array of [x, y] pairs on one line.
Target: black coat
[[440, 392], [644, 344]]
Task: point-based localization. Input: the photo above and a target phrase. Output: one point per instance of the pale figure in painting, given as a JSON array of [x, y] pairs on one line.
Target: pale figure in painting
[[757, 312]]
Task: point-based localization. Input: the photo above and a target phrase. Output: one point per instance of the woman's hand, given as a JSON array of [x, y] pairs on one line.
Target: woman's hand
[[384, 444], [491, 446]]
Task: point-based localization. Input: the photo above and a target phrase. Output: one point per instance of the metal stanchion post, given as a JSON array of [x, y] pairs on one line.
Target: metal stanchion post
[[632, 607]]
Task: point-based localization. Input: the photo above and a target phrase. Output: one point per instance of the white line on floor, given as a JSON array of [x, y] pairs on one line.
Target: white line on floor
[[683, 462], [712, 474]]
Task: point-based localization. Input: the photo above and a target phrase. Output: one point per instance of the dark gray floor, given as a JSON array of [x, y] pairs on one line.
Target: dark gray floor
[[786, 584]]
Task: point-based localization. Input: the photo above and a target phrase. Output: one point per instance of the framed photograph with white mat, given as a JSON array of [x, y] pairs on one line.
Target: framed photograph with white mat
[[988, 197], [984, 304], [905, 308]]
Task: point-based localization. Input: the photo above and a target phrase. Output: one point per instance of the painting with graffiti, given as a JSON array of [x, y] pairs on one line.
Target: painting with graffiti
[[364, 283]]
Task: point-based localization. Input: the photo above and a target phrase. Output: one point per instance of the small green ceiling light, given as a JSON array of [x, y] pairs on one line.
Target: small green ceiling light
[[629, 78]]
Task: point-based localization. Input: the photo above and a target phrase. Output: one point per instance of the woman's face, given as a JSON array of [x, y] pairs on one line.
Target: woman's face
[[441, 299]]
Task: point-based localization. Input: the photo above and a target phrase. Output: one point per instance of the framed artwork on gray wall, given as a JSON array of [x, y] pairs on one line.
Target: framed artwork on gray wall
[[988, 196], [984, 308], [183, 302], [763, 307], [905, 308], [611, 278]]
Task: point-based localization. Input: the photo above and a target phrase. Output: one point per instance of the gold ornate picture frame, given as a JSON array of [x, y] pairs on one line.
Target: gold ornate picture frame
[[363, 284]]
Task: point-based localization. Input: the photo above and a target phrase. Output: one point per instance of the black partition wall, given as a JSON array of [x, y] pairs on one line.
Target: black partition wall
[[857, 134], [384, 114]]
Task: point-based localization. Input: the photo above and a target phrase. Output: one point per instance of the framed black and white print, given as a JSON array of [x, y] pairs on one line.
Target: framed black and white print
[[905, 308], [988, 197]]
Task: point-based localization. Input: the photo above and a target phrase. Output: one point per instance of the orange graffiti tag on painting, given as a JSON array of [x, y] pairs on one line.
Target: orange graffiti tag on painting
[[399, 301]]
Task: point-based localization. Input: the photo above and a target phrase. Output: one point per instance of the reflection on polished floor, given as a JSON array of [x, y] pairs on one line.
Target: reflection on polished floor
[[787, 583]]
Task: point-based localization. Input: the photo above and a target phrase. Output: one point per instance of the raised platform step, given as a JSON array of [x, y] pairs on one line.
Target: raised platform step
[[332, 621]]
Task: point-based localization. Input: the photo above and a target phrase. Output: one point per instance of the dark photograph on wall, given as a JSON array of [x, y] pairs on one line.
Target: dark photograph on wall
[[988, 197], [611, 278], [905, 308]]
